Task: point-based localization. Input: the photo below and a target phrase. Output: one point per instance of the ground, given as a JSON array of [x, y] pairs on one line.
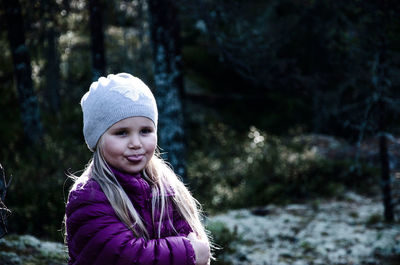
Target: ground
[[349, 231], [333, 232]]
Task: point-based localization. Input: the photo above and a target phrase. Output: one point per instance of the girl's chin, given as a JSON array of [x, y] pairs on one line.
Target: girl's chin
[[133, 169]]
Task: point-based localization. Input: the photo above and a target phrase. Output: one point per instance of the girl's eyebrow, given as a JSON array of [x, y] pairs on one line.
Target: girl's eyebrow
[[119, 128], [151, 128]]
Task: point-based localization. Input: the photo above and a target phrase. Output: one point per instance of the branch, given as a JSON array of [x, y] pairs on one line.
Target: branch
[[4, 211]]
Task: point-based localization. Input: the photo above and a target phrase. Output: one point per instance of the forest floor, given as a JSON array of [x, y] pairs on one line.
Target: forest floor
[[28, 250], [346, 231]]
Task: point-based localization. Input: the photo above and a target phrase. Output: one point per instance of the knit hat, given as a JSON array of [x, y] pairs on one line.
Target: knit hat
[[112, 99]]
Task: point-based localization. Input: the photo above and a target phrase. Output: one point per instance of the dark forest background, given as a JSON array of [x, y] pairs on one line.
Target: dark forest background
[[240, 84]]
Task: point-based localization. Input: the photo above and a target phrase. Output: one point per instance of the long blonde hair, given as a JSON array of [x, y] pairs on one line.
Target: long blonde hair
[[161, 179]]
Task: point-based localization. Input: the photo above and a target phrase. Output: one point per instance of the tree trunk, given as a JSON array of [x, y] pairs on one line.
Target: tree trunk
[[384, 155], [30, 113], [383, 150], [386, 180], [52, 71], [165, 29], [97, 38], [383, 83]]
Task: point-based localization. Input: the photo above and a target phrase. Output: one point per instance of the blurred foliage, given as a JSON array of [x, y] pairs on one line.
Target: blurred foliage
[[374, 219], [321, 53], [224, 241], [233, 169], [39, 175]]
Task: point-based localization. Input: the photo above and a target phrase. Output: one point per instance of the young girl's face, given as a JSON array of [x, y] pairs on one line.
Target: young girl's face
[[129, 144]]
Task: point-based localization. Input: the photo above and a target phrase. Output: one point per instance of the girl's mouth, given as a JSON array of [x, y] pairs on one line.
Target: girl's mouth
[[135, 158]]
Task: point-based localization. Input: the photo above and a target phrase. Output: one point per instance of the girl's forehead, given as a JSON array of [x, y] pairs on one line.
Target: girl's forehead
[[137, 121]]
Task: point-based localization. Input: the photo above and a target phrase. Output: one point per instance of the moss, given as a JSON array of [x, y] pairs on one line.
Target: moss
[[307, 247], [373, 219]]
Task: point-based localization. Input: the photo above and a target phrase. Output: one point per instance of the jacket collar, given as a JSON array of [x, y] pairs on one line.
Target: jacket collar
[[125, 177], [134, 185]]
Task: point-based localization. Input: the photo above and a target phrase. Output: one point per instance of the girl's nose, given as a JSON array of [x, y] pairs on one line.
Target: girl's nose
[[135, 142]]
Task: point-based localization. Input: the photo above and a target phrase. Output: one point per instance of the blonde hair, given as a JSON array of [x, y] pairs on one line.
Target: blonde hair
[[161, 178]]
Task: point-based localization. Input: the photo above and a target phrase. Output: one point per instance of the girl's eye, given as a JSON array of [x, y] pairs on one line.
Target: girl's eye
[[146, 130], [121, 133]]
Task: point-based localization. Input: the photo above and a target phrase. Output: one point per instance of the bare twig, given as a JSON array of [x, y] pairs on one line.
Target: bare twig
[[4, 211]]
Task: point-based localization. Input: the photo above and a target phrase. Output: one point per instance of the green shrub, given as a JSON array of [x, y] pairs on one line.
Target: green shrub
[[374, 219], [254, 168], [224, 241]]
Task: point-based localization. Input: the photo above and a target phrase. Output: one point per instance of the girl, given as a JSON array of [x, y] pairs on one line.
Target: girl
[[128, 206]]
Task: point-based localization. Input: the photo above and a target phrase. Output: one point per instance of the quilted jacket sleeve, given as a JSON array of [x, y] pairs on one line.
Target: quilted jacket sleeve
[[96, 236]]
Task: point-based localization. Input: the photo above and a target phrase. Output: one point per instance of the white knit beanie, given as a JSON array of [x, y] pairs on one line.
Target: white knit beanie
[[112, 99]]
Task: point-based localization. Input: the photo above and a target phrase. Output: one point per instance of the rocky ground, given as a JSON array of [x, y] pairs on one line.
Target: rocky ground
[[349, 231]]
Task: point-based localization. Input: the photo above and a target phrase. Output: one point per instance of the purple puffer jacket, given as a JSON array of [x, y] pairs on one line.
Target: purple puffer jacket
[[95, 235]]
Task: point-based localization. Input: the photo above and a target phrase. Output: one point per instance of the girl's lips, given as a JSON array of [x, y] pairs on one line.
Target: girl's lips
[[135, 158]]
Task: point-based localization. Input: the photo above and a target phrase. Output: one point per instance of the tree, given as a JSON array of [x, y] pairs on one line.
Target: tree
[[30, 114], [165, 30], [48, 15], [293, 48], [382, 84], [97, 38], [371, 109], [52, 71]]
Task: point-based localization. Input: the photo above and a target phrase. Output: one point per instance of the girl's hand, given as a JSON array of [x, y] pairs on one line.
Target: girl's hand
[[201, 249]]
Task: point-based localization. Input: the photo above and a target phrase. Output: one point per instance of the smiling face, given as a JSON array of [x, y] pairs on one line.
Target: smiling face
[[129, 144]]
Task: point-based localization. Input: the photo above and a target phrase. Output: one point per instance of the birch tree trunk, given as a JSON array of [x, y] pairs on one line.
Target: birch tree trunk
[[165, 29], [97, 38], [30, 114]]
